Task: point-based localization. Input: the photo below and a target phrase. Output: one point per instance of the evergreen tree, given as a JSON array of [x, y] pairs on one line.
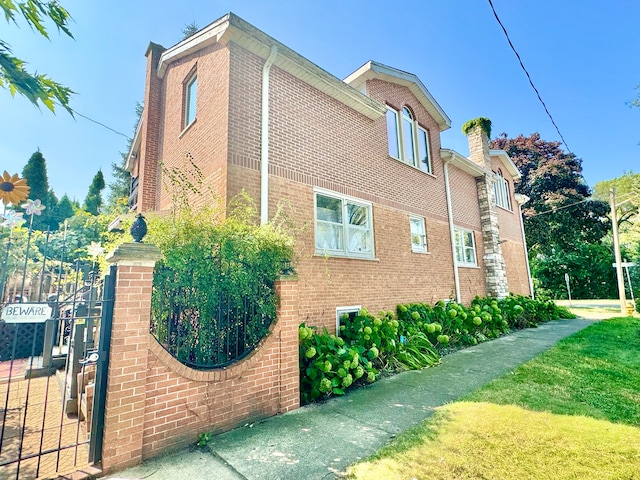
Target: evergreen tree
[[35, 173], [93, 202], [65, 209], [119, 189]]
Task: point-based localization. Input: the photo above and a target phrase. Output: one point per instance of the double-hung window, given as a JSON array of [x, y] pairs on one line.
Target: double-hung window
[[190, 95], [344, 226], [408, 141], [418, 234], [465, 247], [501, 191]]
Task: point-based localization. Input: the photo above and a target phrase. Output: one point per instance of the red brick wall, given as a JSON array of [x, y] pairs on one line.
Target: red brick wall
[[205, 141], [155, 404], [317, 141], [181, 402], [511, 231]]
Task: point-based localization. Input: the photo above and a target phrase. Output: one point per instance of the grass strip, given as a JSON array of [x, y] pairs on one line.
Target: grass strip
[[573, 412]]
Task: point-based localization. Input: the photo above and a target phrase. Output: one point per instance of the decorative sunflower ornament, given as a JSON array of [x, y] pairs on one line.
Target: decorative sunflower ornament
[[13, 189]]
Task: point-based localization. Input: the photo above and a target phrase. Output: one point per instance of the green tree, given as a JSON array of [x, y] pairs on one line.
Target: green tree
[[93, 202], [35, 172], [37, 88], [119, 189], [189, 30], [65, 209], [561, 211], [561, 217]]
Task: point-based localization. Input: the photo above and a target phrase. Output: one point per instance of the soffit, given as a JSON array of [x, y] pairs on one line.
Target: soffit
[[507, 162], [231, 28], [462, 162], [374, 70]]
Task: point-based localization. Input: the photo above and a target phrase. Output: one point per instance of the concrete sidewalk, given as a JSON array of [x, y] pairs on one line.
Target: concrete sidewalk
[[320, 441]]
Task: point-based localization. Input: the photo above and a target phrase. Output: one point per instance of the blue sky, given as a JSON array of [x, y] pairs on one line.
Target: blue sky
[[582, 56]]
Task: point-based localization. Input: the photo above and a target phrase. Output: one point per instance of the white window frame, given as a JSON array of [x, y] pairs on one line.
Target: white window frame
[[421, 246], [346, 227], [501, 191], [401, 116], [189, 115], [340, 311], [461, 247]]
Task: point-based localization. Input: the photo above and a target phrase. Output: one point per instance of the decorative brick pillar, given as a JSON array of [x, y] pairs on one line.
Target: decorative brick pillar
[[128, 355], [494, 267], [287, 317]]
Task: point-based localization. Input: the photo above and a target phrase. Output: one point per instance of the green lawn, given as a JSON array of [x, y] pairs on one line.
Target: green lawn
[[571, 413]]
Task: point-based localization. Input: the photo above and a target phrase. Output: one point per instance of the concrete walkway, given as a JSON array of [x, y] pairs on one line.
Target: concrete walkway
[[320, 441]]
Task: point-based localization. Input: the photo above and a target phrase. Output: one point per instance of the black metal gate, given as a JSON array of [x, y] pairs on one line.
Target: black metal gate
[[55, 325]]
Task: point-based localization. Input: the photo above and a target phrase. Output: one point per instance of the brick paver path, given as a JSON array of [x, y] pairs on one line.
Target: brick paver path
[[44, 409]]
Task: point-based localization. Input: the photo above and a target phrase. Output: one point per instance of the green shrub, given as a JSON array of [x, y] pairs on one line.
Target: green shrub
[[211, 269], [328, 365]]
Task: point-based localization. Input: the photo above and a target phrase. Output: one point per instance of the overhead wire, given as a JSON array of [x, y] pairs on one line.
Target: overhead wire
[[101, 124], [495, 14], [555, 209]]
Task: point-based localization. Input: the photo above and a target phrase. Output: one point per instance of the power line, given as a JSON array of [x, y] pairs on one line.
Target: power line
[[528, 76], [101, 124], [555, 209]]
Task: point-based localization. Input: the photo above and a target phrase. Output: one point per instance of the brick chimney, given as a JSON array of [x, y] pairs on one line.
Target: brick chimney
[[494, 268], [150, 133]]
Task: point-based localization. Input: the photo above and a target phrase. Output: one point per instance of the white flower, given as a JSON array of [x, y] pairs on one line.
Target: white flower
[[33, 207], [95, 249], [12, 219]]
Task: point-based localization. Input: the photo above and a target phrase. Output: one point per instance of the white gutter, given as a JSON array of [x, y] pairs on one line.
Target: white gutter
[[264, 140], [456, 278], [522, 199]]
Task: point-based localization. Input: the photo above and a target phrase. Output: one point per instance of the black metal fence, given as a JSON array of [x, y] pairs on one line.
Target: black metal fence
[[207, 328], [46, 379]]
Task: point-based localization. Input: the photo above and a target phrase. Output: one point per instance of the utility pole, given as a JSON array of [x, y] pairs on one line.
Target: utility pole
[[616, 248]]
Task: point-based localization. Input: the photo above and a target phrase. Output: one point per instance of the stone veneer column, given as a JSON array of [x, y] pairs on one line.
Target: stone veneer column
[[494, 268], [287, 317], [128, 355]]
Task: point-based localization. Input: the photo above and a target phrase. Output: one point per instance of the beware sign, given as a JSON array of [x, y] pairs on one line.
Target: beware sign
[[26, 312]]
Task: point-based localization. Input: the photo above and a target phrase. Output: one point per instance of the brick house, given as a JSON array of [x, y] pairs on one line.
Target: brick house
[[389, 215]]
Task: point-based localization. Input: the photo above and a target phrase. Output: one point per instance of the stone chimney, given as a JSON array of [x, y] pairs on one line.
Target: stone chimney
[[150, 133], [478, 132]]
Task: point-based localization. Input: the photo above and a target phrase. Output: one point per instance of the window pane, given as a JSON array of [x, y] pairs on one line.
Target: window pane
[[359, 240], [470, 256], [392, 133], [328, 236], [468, 239], [418, 234], [329, 209], [407, 140], [358, 214], [423, 144], [192, 91]]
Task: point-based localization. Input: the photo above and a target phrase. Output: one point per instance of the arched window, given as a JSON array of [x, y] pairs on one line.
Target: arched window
[[501, 190], [408, 141]]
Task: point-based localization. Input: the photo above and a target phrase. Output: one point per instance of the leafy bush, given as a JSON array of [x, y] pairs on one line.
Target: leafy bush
[[213, 297], [367, 345]]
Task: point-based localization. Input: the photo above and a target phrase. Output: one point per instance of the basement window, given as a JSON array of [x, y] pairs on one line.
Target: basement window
[[344, 315]]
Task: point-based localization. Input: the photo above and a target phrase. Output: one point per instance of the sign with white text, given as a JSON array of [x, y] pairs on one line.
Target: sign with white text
[[26, 312]]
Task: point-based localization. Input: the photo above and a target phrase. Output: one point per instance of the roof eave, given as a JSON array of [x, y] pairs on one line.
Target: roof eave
[[507, 162], [371, 70], [231, 28], [461, 162]]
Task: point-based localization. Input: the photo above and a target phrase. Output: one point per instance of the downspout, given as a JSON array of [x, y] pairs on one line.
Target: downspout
[[525, 199], [456, 278], [264, 140]]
